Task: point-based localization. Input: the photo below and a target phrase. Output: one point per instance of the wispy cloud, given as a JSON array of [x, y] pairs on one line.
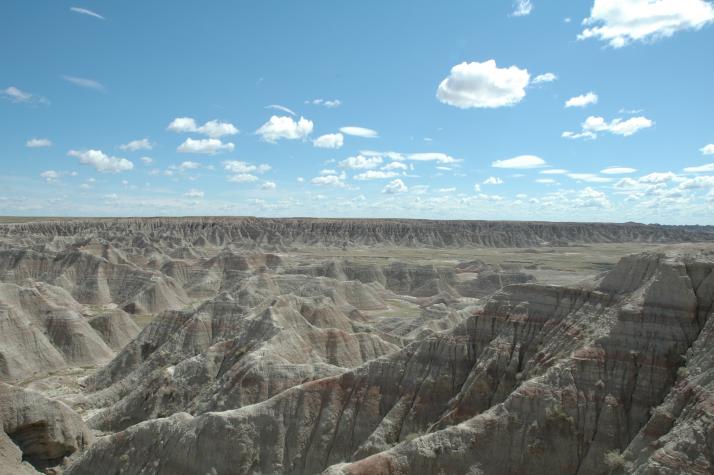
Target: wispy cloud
[[14, 94], [522, 8], [281, 108], [84, 11], [84, 82]]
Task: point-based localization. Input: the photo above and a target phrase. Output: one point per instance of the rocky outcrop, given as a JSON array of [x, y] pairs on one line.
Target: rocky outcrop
[[543, 379], [285, 233], [37, 430]]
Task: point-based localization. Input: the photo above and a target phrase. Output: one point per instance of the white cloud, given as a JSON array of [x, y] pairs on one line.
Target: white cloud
[[238, 166], [545, 181], [134, 145], [707, 149], [101, 161], [618, 170], [281, 108], [284, 127], [14, 94], [522, 161], [84, 11], [546, 77], [582, 100], [208, 146], [658, 177], [446, 190], [84, 82], [194, 193], [697, 182], [492, 180], [620, 22], [329, 141], [590, 198], [213, 128], [483, 85], [268, 185], [709, 167], [242, 178], [147, 160], [359, 132], [624, 127], [395, 166], [360, 162], [522, 8], [330, 104], [395, 186], [50, 176], [589, 177], [36, 143], [554, 171], [189, 165], [332, 179], [375, 175]]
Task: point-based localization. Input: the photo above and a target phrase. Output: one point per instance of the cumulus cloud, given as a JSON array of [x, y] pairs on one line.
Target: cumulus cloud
[[37, 143], [134, 145], [698, 182], [554, 171], [284, 127], [395, 186], [50, 176], [189, 165], [483, 85], [101, 161], [238, 166], [625, 127], [546, 77], [361, 162], [329, 141], [520, 162], [522, 8], [147, 160], [194, 193], [375, 175], [620, 22], [213, 128], [13, 94], [618, 170], [582, 100], [207, 146], [359, 132], [84, 82], [268, 185], [658, 177], [707, 149], [330, 179], [709, 167], [242, 178], [395, 166], [492, 180], [590, 198], [545, 181], [84, 11]]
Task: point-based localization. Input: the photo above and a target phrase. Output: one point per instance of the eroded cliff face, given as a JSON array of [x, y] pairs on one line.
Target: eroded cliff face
[[613, 375], [184, 233]]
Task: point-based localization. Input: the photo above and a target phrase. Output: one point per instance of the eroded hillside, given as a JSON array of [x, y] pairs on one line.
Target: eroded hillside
[[247, 345]]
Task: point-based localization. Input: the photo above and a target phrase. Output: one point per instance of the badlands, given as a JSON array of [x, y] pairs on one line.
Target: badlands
[[303, 346]]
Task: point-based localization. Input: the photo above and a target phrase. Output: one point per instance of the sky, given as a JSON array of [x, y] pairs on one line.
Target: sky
[[585, 110]]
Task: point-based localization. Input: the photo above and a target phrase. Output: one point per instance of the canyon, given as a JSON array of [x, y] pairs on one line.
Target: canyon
[[301, 346]]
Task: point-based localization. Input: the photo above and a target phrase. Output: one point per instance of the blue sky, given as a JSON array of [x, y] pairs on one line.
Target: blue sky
[[587, 110]]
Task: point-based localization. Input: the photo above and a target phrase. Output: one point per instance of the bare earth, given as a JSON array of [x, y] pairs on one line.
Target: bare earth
[[301, 346]]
